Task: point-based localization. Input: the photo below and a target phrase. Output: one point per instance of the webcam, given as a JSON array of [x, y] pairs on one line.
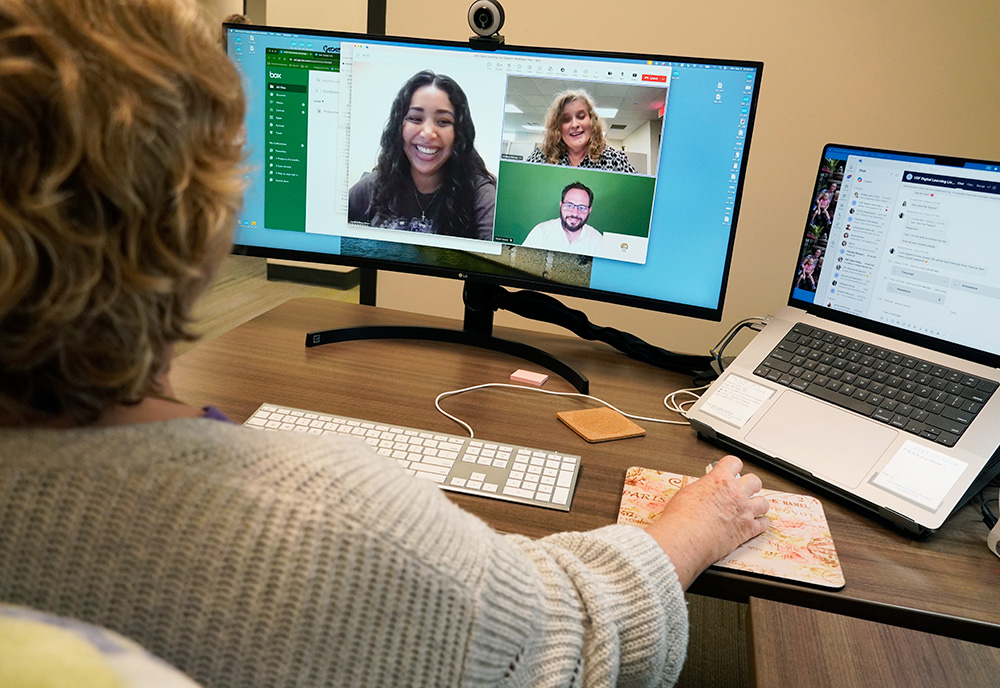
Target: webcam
[[486, 19]]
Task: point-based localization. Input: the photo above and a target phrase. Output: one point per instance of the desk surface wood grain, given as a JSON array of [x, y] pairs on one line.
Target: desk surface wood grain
[[793, 646], [948, 584]]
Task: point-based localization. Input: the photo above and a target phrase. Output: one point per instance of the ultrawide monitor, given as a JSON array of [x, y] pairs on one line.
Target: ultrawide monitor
[[337, 177]]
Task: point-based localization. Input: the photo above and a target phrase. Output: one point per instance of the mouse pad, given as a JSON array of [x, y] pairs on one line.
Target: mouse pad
[[600, 424], [796, 546]]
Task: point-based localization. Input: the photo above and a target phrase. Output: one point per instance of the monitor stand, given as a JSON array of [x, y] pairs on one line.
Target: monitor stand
[[481, 301]]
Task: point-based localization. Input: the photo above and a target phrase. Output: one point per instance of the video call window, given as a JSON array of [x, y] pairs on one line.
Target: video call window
[[455, 114]]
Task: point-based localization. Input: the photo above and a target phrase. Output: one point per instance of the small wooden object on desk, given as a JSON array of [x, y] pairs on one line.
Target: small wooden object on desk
[[600, 424]]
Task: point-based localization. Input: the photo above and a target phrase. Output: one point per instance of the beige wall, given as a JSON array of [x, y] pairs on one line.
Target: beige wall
[[919, 75], [220, 9], [343, 15]]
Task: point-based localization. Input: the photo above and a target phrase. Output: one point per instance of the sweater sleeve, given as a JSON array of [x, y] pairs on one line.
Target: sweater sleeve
[[600, 608], [631, 605], [277, 559]]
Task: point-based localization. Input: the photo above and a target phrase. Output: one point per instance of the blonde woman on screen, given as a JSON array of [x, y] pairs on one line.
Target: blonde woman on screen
[[575, 136]]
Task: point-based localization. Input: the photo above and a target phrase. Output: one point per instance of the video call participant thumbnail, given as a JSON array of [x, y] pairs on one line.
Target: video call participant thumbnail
[[575, 136], [429, 177], [569, 232]]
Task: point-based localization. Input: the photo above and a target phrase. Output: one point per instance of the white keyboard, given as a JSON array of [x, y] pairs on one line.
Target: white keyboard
[[459, 464]]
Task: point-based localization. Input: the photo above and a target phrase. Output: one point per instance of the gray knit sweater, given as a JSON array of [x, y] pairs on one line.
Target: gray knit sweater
[[257, 559]]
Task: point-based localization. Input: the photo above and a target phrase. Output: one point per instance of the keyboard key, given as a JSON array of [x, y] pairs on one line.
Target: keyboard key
[[947, 439], [518, 492], [963, 417], [433, 477]]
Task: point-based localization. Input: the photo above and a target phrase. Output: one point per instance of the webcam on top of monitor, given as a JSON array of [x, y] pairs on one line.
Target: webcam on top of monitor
[[486, 19]]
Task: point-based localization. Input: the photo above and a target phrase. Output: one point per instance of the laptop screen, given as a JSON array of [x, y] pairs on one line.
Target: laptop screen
[[907, 245]]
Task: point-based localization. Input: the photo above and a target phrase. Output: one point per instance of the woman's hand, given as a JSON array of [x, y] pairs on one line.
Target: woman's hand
[[708, 519]]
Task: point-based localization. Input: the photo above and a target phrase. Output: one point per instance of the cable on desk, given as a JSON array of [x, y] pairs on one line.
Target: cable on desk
[[674, 403], [468, 428]]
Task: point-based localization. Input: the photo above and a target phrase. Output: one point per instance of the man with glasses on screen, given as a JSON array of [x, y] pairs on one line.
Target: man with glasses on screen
[[570, 232]]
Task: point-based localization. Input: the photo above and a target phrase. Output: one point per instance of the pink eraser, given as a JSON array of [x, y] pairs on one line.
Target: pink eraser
[[528, 377]]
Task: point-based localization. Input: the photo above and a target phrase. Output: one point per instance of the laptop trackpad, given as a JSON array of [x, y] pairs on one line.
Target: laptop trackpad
[[826, 441]]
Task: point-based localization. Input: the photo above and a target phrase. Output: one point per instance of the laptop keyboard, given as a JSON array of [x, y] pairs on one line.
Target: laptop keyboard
[[911, 394], [498, 470]]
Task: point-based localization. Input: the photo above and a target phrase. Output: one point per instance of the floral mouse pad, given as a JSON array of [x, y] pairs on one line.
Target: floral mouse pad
[[797, 545]]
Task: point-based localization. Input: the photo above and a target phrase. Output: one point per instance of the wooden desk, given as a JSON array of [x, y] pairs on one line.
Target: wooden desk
[[794, 646], [948, 584]]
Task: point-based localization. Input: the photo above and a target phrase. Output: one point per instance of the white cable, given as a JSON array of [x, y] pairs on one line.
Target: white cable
[[444, 395], [681, 407]]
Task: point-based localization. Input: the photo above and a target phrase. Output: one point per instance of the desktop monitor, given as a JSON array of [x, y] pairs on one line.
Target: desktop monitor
[[336, 175]]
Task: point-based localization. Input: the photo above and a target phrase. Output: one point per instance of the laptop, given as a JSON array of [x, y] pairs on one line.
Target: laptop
[[877, 383]]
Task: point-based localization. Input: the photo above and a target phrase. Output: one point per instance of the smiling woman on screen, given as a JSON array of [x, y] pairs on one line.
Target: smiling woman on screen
[[429, 177], [575, 136]]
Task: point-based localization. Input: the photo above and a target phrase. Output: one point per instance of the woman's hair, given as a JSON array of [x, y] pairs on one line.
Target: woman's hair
[[463, 172], [120, 175], [553, 146]]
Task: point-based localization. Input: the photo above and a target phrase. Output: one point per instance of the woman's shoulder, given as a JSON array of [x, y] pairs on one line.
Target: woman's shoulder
[[198, 443], [536, 155], [614, 160], [485, 182], [364, 186], [359, 198]]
